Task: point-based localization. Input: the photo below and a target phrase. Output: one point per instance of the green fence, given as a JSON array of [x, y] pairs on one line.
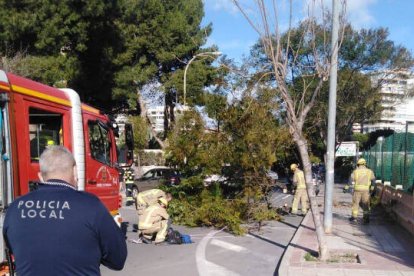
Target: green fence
[[391, 158]]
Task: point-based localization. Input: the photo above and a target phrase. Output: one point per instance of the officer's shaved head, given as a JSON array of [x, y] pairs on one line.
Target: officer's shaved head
[[57, 162]]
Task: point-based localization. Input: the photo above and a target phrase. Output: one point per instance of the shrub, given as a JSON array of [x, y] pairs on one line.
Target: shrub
[[196, 205]]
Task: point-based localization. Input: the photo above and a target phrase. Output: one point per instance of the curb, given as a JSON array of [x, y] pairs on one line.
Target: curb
[[284, 264]]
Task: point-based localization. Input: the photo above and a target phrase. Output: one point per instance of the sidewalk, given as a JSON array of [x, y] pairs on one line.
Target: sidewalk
[[382, 246]]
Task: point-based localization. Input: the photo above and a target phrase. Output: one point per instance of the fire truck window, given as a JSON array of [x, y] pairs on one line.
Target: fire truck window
[[99, 143], [45, 129]]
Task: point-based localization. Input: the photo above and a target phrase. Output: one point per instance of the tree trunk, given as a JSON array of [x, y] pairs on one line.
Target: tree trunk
[[169, 117], [304, 154]]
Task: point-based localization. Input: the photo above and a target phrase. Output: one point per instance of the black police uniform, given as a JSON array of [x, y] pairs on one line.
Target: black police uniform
[[56, 230]]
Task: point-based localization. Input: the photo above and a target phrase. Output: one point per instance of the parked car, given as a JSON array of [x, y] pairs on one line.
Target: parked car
[[152, 179], [273, 176], [219, 178]]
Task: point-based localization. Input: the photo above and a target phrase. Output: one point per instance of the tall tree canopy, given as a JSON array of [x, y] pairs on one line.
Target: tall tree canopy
[[105, 50], [65, 41], [159, 38]]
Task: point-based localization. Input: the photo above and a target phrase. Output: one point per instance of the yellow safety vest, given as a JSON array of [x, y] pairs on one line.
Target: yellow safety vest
[[362, 177], [299, 179]]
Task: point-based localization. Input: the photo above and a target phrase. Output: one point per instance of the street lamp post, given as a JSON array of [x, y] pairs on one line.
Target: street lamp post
[[381, 140], [205, 54]]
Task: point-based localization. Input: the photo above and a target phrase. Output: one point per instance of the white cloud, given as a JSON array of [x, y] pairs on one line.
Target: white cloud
[[221, 5], [358, 12]]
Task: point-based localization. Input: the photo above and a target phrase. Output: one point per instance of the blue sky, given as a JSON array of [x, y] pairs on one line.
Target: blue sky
[[234, 35]]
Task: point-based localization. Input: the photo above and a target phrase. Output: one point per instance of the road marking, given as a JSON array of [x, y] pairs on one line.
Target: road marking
[[206, 268], [203, 235], [228, 246], [286, 196], [239, 249]]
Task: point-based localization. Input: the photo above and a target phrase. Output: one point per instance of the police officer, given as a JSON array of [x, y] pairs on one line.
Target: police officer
[[361, 178], [57, 230], [300, 190]]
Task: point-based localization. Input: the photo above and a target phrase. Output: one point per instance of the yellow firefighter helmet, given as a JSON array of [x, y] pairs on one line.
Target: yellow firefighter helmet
[[361, 161], [163, 201]]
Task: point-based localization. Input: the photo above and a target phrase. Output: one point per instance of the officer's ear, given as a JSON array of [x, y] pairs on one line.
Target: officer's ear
[[40, 177], [75, 176]]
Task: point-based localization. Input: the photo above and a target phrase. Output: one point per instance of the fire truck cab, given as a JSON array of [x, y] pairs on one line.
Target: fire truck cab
[[33, 116]]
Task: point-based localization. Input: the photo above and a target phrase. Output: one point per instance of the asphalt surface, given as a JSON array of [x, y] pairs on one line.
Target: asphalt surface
[[213, 252]]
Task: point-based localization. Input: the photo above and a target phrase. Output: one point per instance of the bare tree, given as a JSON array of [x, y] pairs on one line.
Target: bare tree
[[288, 69], [150, 93]]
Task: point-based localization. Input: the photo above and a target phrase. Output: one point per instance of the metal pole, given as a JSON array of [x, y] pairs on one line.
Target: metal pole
[[185, 77], [327, 219], [204, 54], [404, 180]]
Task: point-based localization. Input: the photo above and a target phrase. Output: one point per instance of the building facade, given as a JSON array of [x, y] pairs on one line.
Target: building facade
[[156, 116], [396, 100]]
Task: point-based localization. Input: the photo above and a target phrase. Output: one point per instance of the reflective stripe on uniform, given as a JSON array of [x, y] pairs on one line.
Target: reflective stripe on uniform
[[300, 178], [362, 177], [150, 197], [146, 217], [140, 200]]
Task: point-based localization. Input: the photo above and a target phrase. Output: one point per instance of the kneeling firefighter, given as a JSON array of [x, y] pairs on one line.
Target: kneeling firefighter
[[150, 197], [154, 221]]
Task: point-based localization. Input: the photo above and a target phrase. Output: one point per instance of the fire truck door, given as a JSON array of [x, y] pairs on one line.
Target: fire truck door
[[102, 178]]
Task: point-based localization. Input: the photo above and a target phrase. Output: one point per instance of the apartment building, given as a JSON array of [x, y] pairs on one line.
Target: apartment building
[[397, 102], [156, 116]]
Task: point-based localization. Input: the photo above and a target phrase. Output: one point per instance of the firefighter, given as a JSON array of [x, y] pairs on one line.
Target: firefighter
[[154, 221], [361, 179], [150, 197], [129, 183], [300, 190]]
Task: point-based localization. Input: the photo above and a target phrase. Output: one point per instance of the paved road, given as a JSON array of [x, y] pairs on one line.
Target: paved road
[[213, 252]]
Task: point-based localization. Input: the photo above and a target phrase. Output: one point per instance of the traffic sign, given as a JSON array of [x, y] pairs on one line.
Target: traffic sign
[[347, 149]]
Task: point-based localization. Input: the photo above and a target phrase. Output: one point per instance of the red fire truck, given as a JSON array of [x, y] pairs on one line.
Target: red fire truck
[[33, 116]]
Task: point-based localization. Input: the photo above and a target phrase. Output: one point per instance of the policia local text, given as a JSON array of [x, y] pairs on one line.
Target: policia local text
[[43, 209]]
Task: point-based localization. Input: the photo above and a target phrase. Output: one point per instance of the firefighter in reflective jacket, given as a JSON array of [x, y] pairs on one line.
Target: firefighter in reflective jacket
[[361, 178], [150, 197], [129, 183], [300, 190], [154, 221]]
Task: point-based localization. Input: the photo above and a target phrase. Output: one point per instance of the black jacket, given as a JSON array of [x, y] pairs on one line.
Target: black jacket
[[56, 230]]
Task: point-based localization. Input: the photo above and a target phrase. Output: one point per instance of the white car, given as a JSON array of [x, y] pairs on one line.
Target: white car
[[213, 179]]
